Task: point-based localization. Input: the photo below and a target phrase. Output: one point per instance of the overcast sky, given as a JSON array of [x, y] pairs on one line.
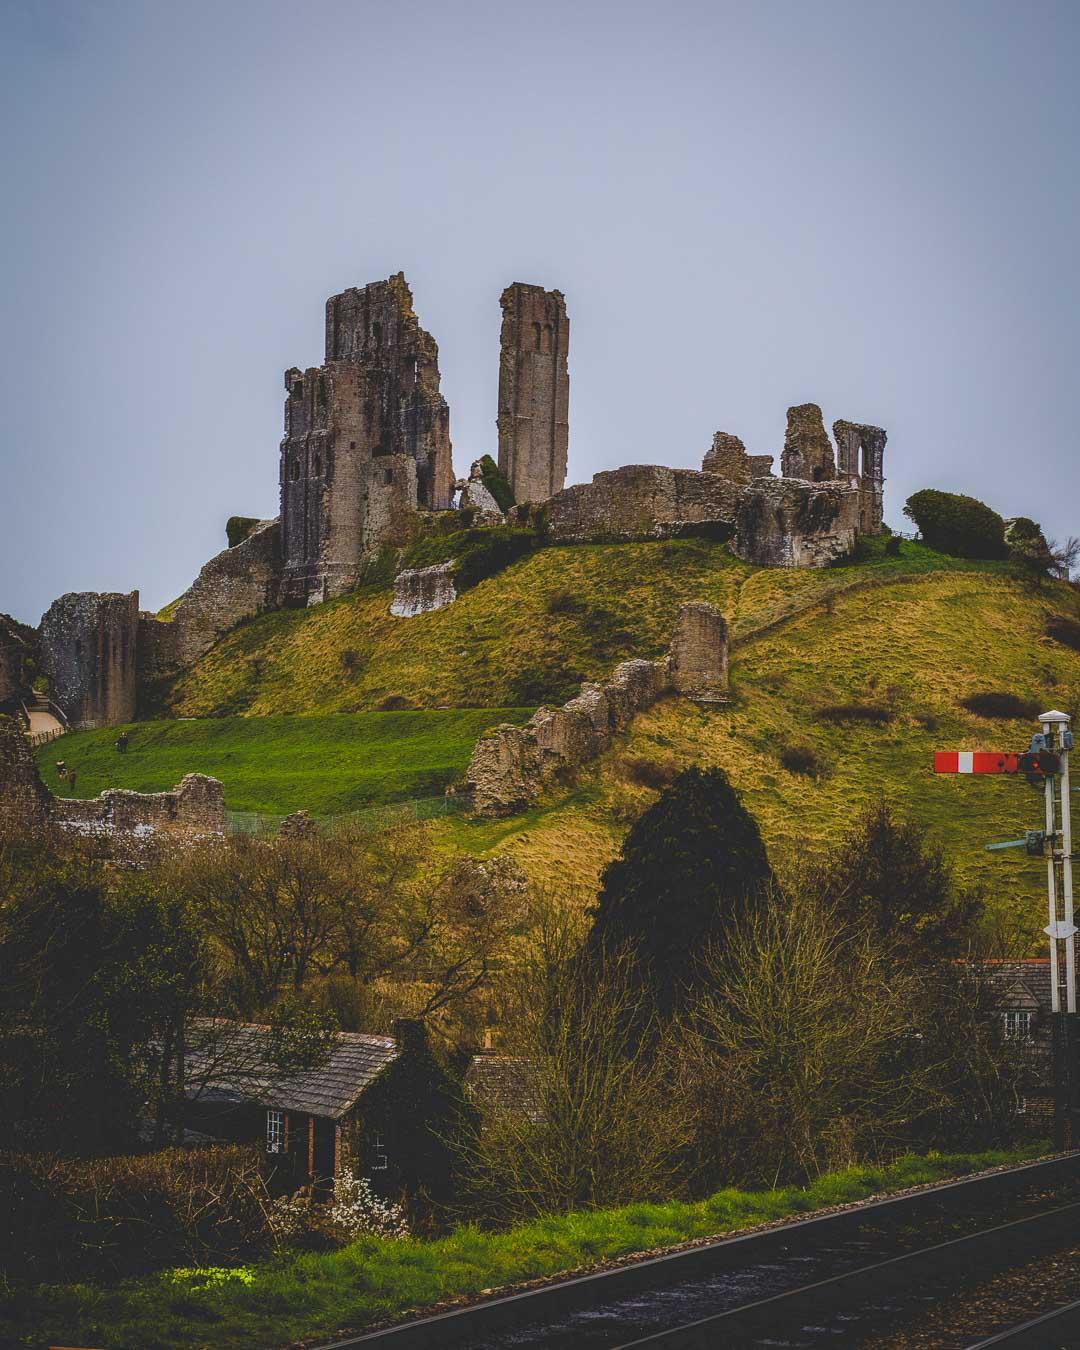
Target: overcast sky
[[748, 205]]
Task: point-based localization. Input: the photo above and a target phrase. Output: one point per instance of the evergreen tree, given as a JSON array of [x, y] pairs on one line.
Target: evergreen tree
[[886, 876], [690, 866]]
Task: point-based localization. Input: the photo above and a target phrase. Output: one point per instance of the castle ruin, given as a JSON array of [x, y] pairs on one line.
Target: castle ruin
[[365, 462], [366, 445], [534, 391]]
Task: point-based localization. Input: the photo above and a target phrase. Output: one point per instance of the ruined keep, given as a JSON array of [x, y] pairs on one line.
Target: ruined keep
[[534, 391], [88, 653], [367, 442]]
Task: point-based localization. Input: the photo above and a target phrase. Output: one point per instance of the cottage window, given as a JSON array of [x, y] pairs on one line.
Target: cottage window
[[379, 1158], [275, 1131], [1016, 1025]]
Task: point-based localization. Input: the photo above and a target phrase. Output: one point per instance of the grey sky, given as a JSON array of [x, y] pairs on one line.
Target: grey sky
[[871, 206]]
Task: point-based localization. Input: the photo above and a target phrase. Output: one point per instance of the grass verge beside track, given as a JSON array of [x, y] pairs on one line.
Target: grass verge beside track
[[294, 1296]]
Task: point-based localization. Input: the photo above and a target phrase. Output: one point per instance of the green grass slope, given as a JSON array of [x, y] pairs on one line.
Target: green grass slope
[[912, 647], [531, 634], [325, 765]]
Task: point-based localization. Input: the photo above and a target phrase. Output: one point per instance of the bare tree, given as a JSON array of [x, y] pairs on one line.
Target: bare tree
[[805, 1052], [594, 1122]]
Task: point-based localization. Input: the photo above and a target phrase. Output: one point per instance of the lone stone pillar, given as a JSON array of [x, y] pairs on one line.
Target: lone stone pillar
[[534, 391], [808, 452], [88, 650], [699, 650]]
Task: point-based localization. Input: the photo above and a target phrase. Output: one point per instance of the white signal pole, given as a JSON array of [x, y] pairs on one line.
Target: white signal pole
[[1057, 785]]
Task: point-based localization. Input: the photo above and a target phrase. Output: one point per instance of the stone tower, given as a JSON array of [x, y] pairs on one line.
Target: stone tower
[[88, 651], [807, 452], [860, 455], [534, 391], [367, 441]]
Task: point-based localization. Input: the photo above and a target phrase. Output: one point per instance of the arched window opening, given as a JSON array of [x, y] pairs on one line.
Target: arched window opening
[[316, 467], [298, 389], [294, 471], [538, 337], [376, 333]]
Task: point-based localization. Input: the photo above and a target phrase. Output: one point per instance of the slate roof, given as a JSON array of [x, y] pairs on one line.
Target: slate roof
[[503, 1083], [221, 1068], [1022, 984]]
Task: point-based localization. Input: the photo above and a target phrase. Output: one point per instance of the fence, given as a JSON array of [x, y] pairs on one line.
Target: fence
[[421, 808], [37, 738]]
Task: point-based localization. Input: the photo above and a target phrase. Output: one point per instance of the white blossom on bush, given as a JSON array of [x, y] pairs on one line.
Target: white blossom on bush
[[356, 1211], [289, 1216]]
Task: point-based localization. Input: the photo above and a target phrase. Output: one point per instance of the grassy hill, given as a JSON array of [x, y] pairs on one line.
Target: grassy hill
[[906, 637], [909, 650], [273, 765], [529, 635]]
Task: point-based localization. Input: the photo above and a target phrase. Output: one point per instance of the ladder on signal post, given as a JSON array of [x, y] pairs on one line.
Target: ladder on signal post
[[1046, 761]]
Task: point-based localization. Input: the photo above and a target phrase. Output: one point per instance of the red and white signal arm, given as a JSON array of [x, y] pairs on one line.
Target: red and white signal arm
[[975, 761]]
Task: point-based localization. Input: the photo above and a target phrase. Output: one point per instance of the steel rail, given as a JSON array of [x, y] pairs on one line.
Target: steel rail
[[558, 1298], [1033, 1335], [741, 1326]]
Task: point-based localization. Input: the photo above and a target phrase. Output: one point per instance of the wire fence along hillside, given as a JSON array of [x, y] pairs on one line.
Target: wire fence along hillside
[[419, 808]]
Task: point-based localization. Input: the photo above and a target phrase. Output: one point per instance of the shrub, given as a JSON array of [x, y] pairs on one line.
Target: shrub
[[70, 1219], [1065, 631], [356, 1211], [237, 529], [350, 659], [892, 546], [993, 704], [650, 773], [801, 759], [551, 683], [494, 551], [872, 714], [495, 481], [955, 524], [565, 602], [394, 703]]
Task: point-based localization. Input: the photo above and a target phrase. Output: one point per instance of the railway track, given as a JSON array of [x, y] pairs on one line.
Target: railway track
[[815, 1277], [858, 1299], [1059, 1327]]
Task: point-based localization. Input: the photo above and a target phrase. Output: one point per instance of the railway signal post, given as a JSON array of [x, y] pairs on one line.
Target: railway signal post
[[1046, 763]]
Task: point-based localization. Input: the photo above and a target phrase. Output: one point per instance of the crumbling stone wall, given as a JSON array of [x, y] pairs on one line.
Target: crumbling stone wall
[[808, 452], [15, 652], [760, 466], [419, 590], [784, 522], [196, 807], [25, 801], [511, 765], [860, 457], [534, 391], [193, 809], [88, 651], [640, 501], [375, 399], [237, 584], [475, 494], [698, 659], [728, 458]]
